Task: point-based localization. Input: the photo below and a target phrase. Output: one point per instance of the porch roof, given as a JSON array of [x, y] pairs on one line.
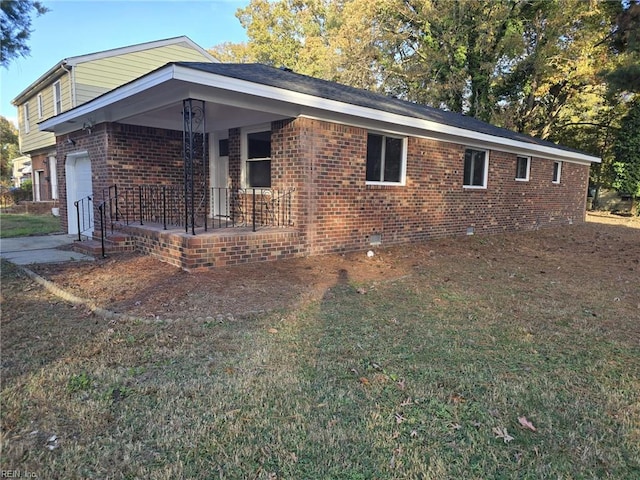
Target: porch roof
[[243, 94]]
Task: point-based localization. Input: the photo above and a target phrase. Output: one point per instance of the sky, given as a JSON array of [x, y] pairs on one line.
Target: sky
[[79, 27]]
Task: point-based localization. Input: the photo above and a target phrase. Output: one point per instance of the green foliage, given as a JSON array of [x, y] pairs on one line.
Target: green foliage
[[526, 66], [16, 27], [9, 147], [79, 383], [627, 153], [23, 225], [624, 41]]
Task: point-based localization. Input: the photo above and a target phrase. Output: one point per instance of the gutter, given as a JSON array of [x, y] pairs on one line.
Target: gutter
[[50, 76], [313, 104]]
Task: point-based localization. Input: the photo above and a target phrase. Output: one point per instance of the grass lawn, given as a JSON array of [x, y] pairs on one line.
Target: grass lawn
[[22, 225], [511, 362]]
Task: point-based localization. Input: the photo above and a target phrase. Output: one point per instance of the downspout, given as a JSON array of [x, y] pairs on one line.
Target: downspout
[[72, 82]]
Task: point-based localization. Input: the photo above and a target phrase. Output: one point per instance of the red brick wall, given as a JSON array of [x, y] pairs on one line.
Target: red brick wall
[[337, 211], [224, 247], [333, 208], [125, 155], [96, 146]]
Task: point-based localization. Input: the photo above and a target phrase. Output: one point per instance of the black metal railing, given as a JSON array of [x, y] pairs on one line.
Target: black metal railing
[[254, 207], [165, 205], [84, 215]]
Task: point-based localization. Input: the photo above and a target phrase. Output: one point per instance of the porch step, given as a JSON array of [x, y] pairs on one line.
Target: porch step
[[116, 243]]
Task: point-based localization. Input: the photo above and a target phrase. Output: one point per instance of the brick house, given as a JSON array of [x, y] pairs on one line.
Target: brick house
[[215, 164], [79, 79]]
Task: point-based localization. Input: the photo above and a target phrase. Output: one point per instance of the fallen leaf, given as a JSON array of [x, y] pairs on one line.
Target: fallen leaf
[[526, 423], [273, 330], [364, 381], [501, 432]]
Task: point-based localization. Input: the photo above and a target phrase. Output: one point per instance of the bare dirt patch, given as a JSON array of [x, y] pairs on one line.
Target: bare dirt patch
[[142, 286]]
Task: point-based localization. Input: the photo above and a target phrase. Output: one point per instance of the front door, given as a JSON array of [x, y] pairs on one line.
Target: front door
[[220, 177], [80, 189]]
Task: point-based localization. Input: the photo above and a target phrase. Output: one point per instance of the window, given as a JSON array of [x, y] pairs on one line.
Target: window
[[523, 165], [475, 168], [557, 168], [40, 106], [25, 112], [258, 159], [57, 98], [385, 159], [223, 147]]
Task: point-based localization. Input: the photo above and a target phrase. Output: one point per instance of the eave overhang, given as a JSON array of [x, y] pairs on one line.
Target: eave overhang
[[164, 89]]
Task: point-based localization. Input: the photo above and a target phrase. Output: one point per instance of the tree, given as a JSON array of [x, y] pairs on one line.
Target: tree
[[15, 26], [624, 41], [627, 155], [9, 148], [330, 39], [449, 53]]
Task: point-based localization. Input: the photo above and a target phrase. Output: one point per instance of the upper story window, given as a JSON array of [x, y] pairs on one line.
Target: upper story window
[[476, 168], [57, 98], [257, 158], [27, 122], [40, 107], [386, 159], [557, 169], [523, 166]]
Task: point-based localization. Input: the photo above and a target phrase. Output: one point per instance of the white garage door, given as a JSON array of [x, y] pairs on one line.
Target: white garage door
[[79, 187]]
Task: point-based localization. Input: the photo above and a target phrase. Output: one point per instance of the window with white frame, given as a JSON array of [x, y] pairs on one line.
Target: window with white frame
[[57, 98], [386, 159], [40, 107], [557, 169], [476, 168], [523, 166], [257, 158], [27, 122]]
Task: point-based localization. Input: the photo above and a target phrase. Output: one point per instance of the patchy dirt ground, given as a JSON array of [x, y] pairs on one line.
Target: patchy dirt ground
[[144, 287]]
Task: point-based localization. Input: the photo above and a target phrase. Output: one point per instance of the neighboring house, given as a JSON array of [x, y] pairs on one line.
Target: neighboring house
[[76, 80], [21, 170], [300, 166]]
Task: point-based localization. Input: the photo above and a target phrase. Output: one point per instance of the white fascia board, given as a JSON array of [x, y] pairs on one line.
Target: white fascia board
[[429, 129], [289, 96]]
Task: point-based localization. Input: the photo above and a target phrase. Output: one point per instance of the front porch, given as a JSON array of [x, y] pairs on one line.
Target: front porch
[[228, 226], [219, 247]]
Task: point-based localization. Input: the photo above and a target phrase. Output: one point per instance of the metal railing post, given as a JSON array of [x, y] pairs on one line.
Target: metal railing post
[[164, 206], [253, 210], [78, 219], [101, 210], [115, 189], [140, 204]]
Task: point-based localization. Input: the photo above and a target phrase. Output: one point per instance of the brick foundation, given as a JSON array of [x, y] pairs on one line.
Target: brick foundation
[[216, 248]]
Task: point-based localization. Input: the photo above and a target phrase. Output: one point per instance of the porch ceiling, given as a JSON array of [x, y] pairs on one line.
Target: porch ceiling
[[160, 106]]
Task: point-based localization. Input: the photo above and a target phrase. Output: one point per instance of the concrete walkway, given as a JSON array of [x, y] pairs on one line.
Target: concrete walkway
[[43, 249]]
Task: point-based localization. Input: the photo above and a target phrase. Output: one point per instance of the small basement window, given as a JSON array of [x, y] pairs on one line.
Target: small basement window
[[523, 166], [557, 169], [476, 168]]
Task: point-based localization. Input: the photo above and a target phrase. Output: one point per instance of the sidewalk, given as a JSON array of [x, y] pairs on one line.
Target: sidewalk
[[42, 249]]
